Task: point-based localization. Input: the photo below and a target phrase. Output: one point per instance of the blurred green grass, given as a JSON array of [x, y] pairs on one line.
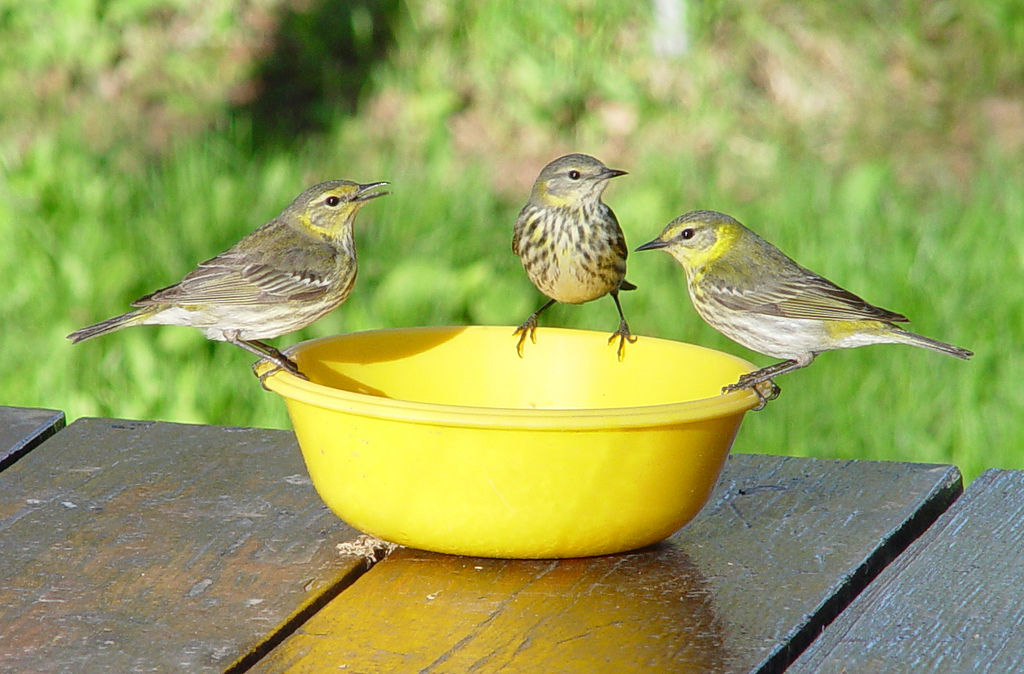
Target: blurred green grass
[[879, 145]]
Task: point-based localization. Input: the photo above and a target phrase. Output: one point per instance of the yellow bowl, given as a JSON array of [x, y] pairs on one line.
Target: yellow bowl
[[444, 439]]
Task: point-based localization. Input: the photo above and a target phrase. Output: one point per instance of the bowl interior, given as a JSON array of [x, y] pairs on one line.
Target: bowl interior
[[478, 367]]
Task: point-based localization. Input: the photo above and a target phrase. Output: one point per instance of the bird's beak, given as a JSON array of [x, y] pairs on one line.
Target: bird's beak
[[653, 245], [611, 173], [364, 193]]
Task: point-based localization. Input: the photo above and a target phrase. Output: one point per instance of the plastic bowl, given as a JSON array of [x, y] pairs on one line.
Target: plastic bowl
[[445, 439]]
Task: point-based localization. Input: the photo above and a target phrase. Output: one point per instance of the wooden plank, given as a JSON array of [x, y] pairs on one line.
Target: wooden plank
[[953, 602], [23, 428], [781, 548], [130, 546]]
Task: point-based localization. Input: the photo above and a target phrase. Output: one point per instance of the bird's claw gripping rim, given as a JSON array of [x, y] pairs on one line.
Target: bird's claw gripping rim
[[528, 328], [275, 366], [624, 336], [766, 390]]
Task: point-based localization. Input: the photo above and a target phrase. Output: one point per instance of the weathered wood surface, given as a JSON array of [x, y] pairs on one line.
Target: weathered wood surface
[[141, 546], [781, 548], [22, 429], [953, 602]]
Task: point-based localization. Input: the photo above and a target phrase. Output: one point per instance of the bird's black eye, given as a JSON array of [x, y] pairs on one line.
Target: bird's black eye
[[332, 200], [687, 233], [574, 175]]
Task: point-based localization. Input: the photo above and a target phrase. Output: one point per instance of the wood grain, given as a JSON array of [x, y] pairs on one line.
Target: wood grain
[[782, 547], [954, 602], [22, 429], [131, 546]]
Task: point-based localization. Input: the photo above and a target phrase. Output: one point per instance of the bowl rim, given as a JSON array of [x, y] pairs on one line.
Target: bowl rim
[[294, 388]]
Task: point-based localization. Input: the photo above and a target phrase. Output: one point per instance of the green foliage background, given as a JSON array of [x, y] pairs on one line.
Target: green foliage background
[[878, 143]]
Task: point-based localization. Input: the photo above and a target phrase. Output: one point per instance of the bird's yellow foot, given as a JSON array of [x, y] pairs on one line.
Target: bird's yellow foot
[[528, 328], [624, 336]]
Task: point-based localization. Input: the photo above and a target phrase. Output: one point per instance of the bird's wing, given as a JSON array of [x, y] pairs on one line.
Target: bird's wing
[[806, 296], [526, 217], [619, 239], [230, 279]]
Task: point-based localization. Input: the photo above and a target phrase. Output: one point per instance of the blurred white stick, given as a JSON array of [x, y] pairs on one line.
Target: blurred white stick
[[671, 37]]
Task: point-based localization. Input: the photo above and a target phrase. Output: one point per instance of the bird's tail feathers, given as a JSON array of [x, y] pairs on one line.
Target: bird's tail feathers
[[110, 325], [915, 339]]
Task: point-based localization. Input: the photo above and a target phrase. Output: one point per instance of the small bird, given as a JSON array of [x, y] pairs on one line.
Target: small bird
[[290, 272], [756, 295], [570, 242]]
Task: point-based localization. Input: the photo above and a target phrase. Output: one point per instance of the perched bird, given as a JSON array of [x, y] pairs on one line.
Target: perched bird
[[288, 273], [755, 295], [570, 242]]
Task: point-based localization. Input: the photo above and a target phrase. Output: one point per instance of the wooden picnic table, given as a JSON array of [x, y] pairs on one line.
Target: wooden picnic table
[[149, 546]]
